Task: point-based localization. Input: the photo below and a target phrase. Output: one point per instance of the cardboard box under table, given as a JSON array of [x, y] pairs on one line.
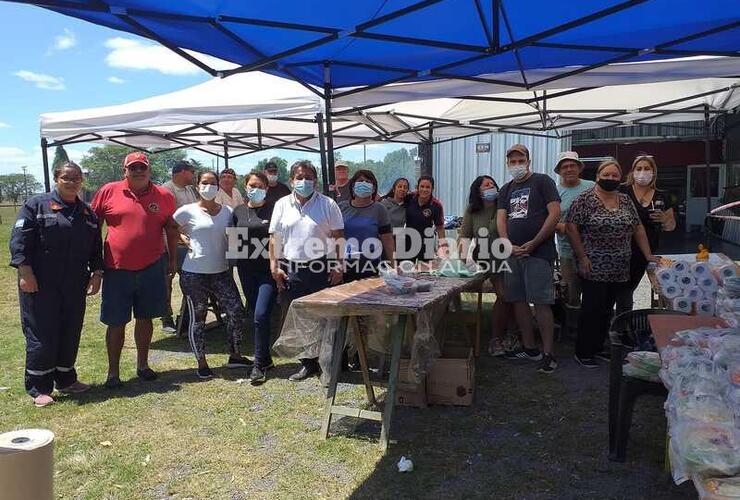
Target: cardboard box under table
[[316, 327]]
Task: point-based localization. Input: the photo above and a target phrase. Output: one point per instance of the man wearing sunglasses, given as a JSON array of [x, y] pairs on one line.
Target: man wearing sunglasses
[[136, 212]]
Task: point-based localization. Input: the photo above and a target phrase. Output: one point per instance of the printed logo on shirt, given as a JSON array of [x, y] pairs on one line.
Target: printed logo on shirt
[[519, 204], [153, 208], [427, 212]]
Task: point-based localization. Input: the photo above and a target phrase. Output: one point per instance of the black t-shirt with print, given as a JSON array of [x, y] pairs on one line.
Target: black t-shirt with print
[[526, 210], [661, 200]]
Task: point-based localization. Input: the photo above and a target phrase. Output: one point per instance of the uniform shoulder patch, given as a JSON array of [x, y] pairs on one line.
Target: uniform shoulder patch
[[19, 223]]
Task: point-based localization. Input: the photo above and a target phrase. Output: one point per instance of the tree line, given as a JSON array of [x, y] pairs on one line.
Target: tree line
[[102, 164]]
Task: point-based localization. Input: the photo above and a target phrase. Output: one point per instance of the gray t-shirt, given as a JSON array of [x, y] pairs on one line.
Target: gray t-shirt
[[396, 211], [363, 223], [183, 195], [526, 208]]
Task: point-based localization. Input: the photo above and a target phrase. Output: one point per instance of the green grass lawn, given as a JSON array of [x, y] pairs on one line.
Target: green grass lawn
[[527, 435]]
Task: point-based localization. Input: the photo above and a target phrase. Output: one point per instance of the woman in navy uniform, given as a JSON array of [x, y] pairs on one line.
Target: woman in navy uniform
[[57, 249]]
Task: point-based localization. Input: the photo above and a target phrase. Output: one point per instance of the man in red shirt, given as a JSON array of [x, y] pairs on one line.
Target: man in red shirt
[[135, 211]]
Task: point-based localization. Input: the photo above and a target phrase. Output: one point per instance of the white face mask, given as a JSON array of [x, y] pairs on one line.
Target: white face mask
[[207, 191], [518, 171], [643, 177]]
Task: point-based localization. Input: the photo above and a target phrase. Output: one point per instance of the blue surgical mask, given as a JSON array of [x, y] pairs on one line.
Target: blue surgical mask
[[490, 194], [363, 189], [256, 195], [518, 171], [303, 187]]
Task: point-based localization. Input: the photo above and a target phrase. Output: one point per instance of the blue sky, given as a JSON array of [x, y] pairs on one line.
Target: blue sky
[[50, 62]]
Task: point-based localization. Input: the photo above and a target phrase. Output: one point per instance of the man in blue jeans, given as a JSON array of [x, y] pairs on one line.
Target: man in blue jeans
[[528, 210], [303, 229]]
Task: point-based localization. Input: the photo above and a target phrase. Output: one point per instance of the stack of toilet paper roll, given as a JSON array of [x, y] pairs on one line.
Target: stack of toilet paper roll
[[690, 287], [27, 465]]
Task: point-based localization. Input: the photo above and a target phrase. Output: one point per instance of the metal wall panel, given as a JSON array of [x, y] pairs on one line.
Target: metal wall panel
[[456, 164]]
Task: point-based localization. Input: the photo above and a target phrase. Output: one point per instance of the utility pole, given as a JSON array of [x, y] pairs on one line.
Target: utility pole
[[364, 156], [25, 183]]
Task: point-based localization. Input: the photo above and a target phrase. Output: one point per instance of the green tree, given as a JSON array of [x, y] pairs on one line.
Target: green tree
[[282, 165], [60, 157], [105, 164], [17, 187]]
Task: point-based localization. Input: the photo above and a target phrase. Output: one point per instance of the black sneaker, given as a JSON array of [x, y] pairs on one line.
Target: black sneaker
[[586, 362], [523, 353], [113, 383], [168, 325], [146, 374], [603, 355], [205, 373], [240, 362], [547, 365], [257, 375]]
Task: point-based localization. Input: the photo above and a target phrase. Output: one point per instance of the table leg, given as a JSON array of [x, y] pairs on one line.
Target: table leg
[[390, 395], [478, 322], [362, 354], [336, 367]]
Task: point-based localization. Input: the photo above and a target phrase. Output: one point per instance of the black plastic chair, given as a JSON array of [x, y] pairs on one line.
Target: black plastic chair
[[630, 331]]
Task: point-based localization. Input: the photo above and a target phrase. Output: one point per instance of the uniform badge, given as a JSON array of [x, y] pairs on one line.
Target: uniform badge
[[56, 206], [19, 223], [426, 212], [153, 208]]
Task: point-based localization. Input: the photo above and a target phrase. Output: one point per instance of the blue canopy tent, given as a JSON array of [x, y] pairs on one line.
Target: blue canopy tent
[[337, 48]]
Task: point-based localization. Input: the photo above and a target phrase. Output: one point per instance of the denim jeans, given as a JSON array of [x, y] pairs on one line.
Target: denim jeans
[[261, 293]]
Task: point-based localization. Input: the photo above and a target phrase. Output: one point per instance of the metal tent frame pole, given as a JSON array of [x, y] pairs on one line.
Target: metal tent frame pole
[[322, 154], [329, 131], [45, 159], [707, 170], [226, 154]]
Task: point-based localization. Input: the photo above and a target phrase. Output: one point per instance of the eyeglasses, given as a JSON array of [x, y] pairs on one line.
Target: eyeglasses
[[644, 157], [70, 180]]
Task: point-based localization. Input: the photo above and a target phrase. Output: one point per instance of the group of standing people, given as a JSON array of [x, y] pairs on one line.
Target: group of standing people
[[607, 232]]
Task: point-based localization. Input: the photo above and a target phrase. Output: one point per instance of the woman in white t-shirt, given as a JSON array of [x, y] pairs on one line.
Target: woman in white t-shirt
[[206, 272]]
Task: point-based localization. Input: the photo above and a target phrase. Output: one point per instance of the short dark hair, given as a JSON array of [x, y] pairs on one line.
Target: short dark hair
[[258, 174], [206, 172], [228, 171], [67, 164], [366, 174], [425, 178], [269, 165], [475, 203], [304, 164]]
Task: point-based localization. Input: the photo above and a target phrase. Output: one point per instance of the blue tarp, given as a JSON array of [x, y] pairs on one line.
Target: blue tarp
[[369, 42]]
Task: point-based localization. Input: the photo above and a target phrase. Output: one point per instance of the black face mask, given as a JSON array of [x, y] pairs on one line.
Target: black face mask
[[608, 184]]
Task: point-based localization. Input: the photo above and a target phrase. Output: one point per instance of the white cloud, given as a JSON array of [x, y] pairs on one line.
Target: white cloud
[[127, 53], [116, 80], [12, 158], [4, 125], [46, 82], [65, 41]]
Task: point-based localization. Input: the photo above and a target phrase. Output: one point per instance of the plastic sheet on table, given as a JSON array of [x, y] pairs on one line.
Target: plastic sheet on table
[[311, 322]]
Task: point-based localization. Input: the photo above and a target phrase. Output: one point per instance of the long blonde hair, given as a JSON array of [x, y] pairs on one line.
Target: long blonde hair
[[643, 157]]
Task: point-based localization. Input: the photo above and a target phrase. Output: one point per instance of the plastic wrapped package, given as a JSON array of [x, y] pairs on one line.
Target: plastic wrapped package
[[696, 337], [718, 488], [311, 322], [636, 372], [710, 409], [645, 360], [685, 362], [707, 448], [729, 352], [733, 373]]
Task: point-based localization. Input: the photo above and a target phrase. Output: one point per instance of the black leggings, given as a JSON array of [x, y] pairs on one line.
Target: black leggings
[[596, 313]]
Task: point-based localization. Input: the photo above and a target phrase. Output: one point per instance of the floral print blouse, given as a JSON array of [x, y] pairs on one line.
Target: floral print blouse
[[606, 234]]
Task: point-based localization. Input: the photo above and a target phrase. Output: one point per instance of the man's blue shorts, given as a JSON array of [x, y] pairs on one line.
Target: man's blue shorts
[[144, 291]]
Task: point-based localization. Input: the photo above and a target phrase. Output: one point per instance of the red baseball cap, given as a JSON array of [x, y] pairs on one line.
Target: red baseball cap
[[135, 157]]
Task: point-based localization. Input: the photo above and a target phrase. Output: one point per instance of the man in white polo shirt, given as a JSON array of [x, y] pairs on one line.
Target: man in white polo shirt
[[305, 248]]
